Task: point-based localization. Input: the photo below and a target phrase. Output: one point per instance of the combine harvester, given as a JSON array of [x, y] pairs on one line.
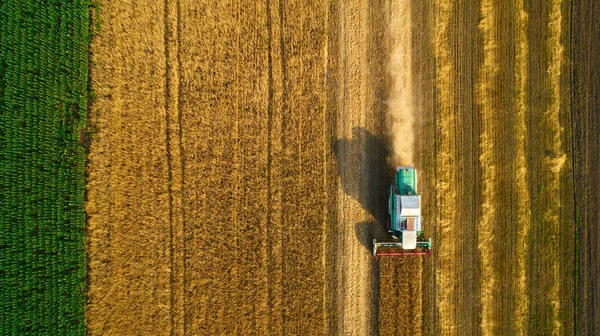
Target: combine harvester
[[404, 222]]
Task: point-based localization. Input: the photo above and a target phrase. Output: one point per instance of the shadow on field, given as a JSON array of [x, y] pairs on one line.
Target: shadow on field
[[366, 231], [365, 173]]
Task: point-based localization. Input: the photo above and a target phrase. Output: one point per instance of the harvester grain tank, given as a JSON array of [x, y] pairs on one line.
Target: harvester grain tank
[[405, 223]]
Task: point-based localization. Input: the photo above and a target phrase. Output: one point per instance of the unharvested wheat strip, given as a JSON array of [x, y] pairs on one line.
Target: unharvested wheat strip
[[555, 161], [253, 49], [208, 51], [445, 184], [521, 178], [303, 197], [400, 312], [387, 298], [231, 310], [487, 80], [419, 300], [417, 296], [127, 191]]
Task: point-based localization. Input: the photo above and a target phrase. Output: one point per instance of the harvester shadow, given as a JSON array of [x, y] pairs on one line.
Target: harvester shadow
[[365, 174], [365, 232]]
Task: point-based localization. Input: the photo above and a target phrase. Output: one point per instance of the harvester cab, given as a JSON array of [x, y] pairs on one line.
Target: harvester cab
[[405, 223]]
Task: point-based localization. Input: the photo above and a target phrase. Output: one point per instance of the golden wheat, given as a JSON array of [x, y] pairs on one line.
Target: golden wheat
[[128, 206], [200, 187], [400, 290]]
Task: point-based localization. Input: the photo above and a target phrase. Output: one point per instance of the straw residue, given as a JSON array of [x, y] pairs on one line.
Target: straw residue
[[521, 176], [401, 108], [446, 196], [487, 160], [555, 157]]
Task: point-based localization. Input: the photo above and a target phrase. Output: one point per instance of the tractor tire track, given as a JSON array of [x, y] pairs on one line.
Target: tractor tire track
[[175, 180]]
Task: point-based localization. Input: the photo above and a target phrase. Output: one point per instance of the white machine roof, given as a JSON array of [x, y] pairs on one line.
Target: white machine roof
[[409, 240], [410, 205]]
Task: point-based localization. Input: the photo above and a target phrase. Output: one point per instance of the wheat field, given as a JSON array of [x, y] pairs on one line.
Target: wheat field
[[243, 151]]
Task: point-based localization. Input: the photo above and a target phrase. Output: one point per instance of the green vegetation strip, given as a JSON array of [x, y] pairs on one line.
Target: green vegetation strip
[[44, 49]]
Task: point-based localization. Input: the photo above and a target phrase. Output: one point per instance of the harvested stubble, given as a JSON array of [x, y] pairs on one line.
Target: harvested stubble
[[504, 190], [585, 104]]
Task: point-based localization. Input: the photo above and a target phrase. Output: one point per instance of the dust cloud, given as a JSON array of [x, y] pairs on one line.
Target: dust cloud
[[401, 107]]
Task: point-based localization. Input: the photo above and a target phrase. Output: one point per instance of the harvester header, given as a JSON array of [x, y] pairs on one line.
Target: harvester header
[[404, 222]]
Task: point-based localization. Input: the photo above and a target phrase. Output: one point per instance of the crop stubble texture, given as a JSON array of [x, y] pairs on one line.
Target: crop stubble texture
[[490, 59], [585, 49], [352, 104]]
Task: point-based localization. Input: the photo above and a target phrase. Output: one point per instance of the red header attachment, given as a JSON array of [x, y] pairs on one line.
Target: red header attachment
[[401, 253]]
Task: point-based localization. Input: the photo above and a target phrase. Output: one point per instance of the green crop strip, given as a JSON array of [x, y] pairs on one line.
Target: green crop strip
[[44, 48]]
